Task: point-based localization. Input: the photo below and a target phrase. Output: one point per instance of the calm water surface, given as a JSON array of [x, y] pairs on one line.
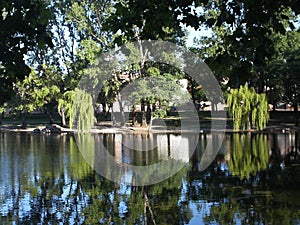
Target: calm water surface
[[254, 179]]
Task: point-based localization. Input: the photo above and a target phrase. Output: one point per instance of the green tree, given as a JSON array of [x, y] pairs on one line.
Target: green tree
[[76, 30], [32, 93], [283, 78], [136, 21], [88, 18], [151, 20], [23, 26], [157, 92], [292, 92], [247, 108], [242, 37], [77, 106]]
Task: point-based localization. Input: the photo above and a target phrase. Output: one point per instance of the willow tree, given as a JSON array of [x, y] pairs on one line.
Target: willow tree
[[83, 111], [247, 108], [77, 105]]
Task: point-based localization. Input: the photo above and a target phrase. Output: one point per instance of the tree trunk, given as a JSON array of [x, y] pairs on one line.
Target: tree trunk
[[143, 105], [295, 104], [121, 109], [103, 107], [62, 118], [24, 120], [150, 122], [250, 122], [274, 106], [51, 120], [297, 142], [213, 105], [2, 117], [108, 110], [260, 88], [113, 116], [134, 116], [144, 119], [153, 107], [149, 112], [51, 113], [147, 205]]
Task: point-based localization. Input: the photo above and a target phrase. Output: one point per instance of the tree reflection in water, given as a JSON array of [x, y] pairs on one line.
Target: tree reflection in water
[[249, 154], [45, 180]]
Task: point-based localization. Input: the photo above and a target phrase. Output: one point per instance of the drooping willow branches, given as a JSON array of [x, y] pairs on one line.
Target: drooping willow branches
[[247, 108]]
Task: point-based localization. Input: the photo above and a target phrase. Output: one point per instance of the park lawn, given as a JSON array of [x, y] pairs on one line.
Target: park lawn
[[172, 120], [33, 119]]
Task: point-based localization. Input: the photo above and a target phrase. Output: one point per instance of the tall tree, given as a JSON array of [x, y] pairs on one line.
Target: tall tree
[[88, 18], [23, 25], [137, 21], [283, 77], [146, 20], [242, 40], [34, 92], [79, 39]]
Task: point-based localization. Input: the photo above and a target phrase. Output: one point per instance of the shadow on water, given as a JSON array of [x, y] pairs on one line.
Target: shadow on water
[[44, 179]]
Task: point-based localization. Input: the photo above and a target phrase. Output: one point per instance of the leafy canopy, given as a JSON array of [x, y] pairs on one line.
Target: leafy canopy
[[23, 26]]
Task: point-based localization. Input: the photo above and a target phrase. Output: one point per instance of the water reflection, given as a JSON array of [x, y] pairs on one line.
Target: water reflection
[[249, 154], [45, 180], [137, 159]]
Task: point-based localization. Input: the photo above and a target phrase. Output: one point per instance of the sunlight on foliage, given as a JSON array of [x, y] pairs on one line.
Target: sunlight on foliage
[[247, 108]]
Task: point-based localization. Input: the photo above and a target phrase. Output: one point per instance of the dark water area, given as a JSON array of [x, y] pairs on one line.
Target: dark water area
[[254, 179]]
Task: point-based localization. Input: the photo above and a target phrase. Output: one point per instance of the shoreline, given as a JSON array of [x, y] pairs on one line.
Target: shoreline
[[57, 129]]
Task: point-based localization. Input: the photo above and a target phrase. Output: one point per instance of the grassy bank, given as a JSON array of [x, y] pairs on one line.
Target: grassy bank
[[277, 118]]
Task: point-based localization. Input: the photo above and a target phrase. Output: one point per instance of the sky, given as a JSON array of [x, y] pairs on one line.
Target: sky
[[196, 34]]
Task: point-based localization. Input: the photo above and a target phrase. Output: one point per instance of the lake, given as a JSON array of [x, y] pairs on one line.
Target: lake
[[54, 179]]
